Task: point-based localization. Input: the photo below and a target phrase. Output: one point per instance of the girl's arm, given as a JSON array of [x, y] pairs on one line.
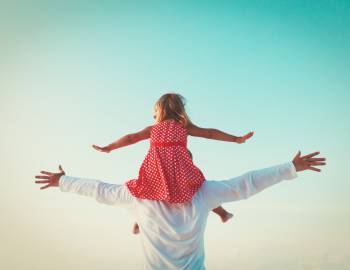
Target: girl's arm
[[126, 140], [215, 134]]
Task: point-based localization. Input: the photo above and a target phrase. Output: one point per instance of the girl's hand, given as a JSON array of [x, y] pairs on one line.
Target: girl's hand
[[245, 137], [51, 179], [101, 149]]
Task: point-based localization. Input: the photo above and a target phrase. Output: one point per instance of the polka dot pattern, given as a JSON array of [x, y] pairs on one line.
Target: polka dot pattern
[[167, 172]]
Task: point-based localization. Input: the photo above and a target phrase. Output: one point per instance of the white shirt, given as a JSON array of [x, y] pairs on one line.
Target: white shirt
[[172, 235]]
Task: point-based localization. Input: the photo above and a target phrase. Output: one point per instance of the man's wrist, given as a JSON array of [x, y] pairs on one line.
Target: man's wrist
[[61, 180], [295, 165], [293, 172]]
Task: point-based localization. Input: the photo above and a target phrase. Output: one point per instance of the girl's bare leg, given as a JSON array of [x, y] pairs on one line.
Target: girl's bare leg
[[135, 228], [224, 215]]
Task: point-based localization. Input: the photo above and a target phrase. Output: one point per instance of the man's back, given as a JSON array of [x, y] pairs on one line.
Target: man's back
[[172, 234]]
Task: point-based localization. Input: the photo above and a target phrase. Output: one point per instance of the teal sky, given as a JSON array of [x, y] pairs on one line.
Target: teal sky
[[74, 74]]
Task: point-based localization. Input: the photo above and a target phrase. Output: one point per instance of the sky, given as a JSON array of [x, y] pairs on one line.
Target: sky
[[77, 73]]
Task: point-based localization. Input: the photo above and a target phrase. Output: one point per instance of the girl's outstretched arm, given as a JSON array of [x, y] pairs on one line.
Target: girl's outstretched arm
[[215, 134], [126, 140]]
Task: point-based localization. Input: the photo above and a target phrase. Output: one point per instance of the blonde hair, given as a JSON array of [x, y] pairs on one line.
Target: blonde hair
[[171, 106]]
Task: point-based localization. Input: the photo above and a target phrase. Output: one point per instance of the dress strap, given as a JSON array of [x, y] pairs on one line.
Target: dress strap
[[168, 144]]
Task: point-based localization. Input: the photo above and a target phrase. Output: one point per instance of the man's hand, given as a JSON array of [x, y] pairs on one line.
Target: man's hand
[[245, 137], [101, 149], [308, 162], [52, 179]]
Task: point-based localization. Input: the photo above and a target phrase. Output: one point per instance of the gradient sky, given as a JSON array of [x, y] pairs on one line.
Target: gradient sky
[[74, 74]]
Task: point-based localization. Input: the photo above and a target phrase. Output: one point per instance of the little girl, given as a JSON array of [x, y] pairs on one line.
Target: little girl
[[167, 172]]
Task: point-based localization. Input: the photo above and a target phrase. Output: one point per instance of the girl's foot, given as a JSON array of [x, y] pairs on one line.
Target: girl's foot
[[136, 229], [226, 217]]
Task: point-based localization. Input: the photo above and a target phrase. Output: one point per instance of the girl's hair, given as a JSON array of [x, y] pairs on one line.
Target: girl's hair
[[171, 106]]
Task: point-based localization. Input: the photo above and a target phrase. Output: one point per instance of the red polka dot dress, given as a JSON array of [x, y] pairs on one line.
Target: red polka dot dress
[[167, 172]]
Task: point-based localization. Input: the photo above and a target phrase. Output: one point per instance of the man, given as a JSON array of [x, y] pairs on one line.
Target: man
[[172, 235]]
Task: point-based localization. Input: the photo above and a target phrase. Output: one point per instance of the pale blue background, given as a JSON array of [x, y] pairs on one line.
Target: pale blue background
[[76, 73]]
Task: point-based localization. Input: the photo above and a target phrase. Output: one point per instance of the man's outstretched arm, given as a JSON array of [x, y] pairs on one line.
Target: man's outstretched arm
[[248, 184], [103, 192]]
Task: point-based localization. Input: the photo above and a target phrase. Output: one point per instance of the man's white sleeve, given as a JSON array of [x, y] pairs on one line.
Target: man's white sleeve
[[103, 192], [246, 185]]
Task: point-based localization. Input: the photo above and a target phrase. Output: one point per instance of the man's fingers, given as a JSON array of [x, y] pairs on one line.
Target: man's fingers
[[297, 155], [45, 186], [311, 155], [314, 169], [45, 172], [317, 163], [42, 177], [61, 169], [42, 181], [316, 159]]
